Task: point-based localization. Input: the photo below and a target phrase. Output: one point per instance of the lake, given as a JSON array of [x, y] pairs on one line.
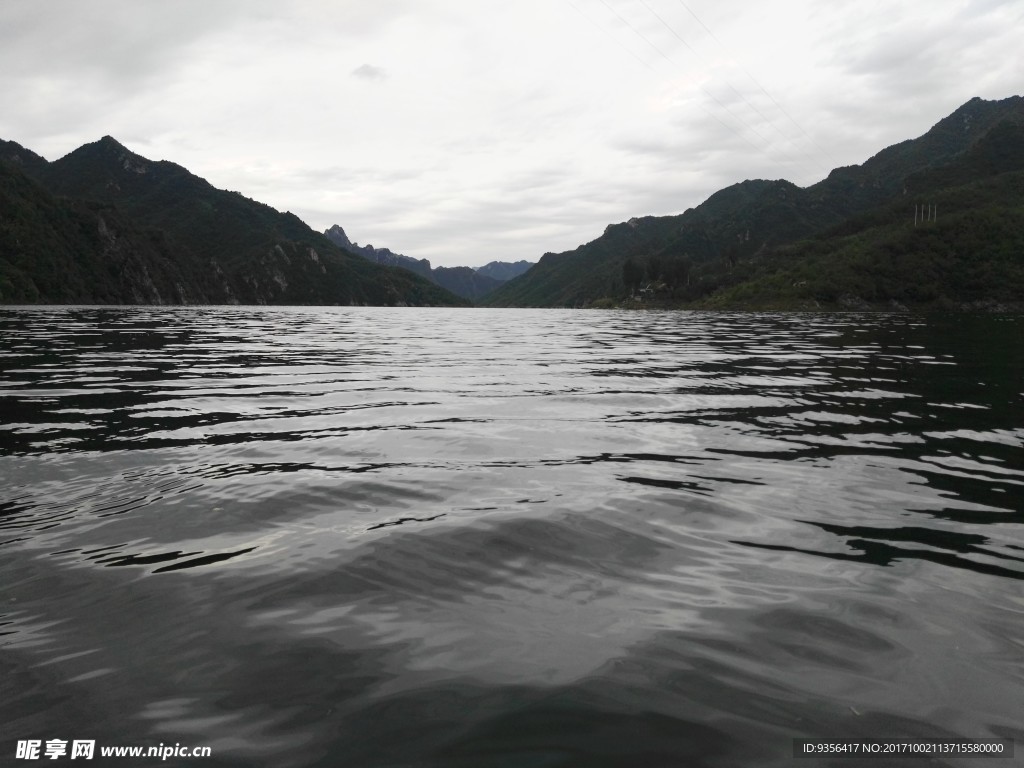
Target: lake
[[443, 537]]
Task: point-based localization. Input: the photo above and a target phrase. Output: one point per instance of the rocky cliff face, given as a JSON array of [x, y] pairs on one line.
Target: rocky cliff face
[[337, 236], [379, 255]]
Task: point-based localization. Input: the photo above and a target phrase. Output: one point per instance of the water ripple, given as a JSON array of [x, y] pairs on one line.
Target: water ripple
[[491, 537]]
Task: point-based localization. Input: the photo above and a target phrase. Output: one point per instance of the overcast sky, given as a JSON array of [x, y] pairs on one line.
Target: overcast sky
[[465, 131]]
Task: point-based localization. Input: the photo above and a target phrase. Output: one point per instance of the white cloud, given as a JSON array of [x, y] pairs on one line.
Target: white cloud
[[499, 130], [369, 72]]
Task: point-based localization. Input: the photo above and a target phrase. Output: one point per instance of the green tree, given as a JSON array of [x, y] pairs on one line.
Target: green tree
[[677, 272], [655, 268], [632, 274]]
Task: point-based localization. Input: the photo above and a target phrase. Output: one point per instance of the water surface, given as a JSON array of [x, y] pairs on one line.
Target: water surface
[[408, 537]]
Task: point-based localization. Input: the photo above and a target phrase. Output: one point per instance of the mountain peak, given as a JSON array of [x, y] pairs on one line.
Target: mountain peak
[[107, 150], [14, 153], [337, 235], [104, 225], [109, 145], [752, 221]]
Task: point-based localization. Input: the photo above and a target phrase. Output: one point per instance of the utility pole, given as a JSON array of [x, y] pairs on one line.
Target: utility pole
[[925, 213]]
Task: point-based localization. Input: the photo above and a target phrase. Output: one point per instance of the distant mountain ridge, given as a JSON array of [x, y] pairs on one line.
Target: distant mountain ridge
[[710, 247], [378, 255], [504, 270], [105, 225], [471, 284]]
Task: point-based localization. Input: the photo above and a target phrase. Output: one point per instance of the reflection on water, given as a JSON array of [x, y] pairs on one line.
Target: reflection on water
[[396, 537]]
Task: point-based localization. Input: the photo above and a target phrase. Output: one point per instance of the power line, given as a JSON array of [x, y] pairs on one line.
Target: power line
[[627, 50], [705, 26], [743, 98], [767, 148], [669, 28], [710, 114], [703, 90], [763, 90]]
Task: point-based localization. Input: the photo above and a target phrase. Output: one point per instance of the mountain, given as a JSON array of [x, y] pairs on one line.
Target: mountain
[[383, 256], [462, 281], [61, 251], [741, 231], [104, 225], [465, 282], [965, 250], [16, 155], [504, 270]]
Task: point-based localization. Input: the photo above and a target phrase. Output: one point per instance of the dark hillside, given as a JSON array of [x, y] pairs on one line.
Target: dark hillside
[[221, 246], [718, 243], [55, 250]]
